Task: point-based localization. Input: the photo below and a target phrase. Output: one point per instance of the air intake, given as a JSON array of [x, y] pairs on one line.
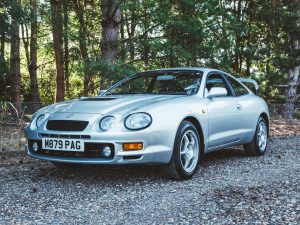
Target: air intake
[[97, 99], [67, 125]]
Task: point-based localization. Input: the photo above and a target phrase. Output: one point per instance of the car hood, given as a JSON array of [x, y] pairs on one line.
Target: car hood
[[119, 104]]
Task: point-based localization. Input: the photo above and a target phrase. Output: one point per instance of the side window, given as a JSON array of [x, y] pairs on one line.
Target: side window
[[216, 80], [238, 89]]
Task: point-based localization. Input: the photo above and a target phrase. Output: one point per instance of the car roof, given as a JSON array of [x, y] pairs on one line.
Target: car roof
[[203, 69]]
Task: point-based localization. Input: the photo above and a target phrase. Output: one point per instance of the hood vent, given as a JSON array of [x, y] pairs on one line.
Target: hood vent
[[97, 99]]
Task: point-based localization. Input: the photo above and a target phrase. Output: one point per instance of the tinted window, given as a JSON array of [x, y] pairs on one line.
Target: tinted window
[[216, 80], [250, 86], [238, 89], [169, 83]]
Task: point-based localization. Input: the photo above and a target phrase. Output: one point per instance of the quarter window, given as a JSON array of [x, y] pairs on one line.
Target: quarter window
[[238, 89], [216, 80]]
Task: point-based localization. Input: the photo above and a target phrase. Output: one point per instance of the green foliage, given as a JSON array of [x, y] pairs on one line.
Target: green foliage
[[250, 38]]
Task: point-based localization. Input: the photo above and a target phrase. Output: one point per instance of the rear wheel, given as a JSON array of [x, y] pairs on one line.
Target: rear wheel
[[258, 145], [186, 153]]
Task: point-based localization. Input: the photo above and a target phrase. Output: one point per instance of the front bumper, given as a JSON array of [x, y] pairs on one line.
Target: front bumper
[[156, 149]]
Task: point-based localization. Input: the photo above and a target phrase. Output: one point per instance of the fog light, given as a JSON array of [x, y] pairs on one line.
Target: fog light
[[106, 151], [132, 146], [35, 146]]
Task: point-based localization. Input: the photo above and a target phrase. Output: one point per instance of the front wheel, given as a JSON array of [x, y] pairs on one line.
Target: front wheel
[[186, 153], [258, 145]]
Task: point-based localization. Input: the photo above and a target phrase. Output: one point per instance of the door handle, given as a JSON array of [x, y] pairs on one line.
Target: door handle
[[239, 106]]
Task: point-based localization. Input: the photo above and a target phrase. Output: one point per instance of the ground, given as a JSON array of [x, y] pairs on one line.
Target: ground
[[230, 188], [284, 128]]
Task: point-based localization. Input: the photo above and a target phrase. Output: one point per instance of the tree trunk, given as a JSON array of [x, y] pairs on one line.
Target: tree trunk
[[110, 24], [249, 37], [291, 92], [2, 45], [83, 46], [57, 30], [32, 65], [66, 45], [293, 74], [2, 52], [237, 58], [122, 33], [131, 26], [144, 41], [15, 57]]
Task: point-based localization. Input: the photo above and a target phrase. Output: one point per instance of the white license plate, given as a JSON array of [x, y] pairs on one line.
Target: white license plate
[[63, 144]]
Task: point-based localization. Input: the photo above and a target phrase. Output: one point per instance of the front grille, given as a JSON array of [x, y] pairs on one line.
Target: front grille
[[66, 125], [92, 150], [65, 136]]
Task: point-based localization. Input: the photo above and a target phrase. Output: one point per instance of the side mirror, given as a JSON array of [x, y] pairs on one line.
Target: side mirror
[[216, 92], [101, 92]]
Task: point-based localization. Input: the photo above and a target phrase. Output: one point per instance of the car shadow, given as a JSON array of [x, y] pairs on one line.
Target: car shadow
[[220, 156], [130, 173]]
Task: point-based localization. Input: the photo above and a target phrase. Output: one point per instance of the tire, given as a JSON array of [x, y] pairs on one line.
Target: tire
[[186, 153], [258, 145]]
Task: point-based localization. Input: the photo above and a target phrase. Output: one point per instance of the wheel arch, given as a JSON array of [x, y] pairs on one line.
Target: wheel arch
[[198, 126], [266, 118]]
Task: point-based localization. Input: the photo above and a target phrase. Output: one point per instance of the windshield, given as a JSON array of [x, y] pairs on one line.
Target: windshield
[[161, 82]]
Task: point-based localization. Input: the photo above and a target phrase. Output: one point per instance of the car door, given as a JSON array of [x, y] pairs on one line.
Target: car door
[[247, 109], [223, 114]]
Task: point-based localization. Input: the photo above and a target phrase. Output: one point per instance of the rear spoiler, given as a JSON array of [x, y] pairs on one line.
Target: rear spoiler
[[250, 81]]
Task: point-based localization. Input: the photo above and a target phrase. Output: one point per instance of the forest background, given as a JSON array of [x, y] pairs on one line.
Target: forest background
[[53, 50]]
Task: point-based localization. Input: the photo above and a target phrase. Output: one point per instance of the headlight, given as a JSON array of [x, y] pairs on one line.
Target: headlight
[[138, 121], [107, 122], [40, 120]]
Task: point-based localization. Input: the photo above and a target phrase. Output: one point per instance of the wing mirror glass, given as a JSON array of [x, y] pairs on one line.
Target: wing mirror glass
[[216, 92]]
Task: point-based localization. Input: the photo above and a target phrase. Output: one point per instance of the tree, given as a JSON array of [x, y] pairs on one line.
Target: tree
[[57, 31], [66, 45], [4, 36], [285, 33], [110, 24], [79, 9], [94, 43], [130, 20], [293, 27], [15, 73], [31, 48], [32, 66]]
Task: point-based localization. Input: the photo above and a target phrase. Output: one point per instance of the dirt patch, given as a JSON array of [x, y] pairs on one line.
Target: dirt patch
[[12, 140], [284, 128]]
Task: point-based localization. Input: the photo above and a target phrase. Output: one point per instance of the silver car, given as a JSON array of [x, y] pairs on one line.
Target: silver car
[[168, 117]]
